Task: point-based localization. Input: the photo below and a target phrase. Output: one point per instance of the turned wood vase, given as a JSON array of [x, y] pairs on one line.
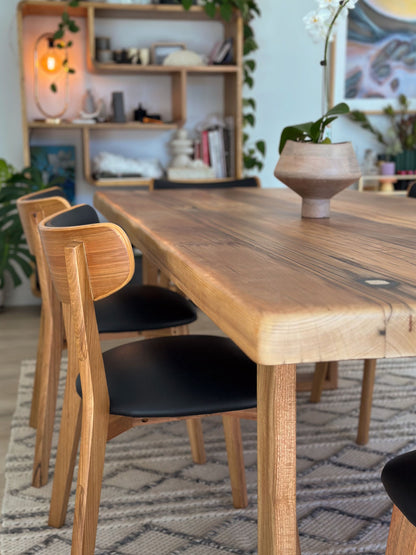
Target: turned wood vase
[[317, 172]]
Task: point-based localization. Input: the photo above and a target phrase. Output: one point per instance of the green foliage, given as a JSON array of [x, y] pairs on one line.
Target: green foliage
[[312, 131], [253, 154], [66, 24], [15, 257], [402, 132]]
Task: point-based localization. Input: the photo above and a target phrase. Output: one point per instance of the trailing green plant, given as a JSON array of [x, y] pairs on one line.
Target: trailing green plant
[[15, 258], [401, 135], [66, 24], [253, 153]]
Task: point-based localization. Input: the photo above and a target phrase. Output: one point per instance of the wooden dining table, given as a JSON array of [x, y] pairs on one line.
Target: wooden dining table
[[286, 290]]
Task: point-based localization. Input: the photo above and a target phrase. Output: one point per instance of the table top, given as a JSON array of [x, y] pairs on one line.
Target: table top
[[285, 289]]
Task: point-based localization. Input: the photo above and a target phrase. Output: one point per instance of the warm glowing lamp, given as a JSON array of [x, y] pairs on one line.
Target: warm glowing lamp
[[49, 59]]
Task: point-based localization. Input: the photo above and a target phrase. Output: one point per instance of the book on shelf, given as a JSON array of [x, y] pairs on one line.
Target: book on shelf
[[222, 52], [217, 147]]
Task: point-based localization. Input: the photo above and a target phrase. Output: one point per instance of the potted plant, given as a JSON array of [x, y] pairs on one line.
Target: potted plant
[[15, 258], [399, 141], [309, 163]]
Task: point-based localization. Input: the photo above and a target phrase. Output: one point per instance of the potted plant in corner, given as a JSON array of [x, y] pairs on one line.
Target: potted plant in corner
[[15, 258], [309, 163]]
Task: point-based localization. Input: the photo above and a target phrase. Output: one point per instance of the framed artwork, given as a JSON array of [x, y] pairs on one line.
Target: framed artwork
[[160, 50], [56, 161], [374, 55]]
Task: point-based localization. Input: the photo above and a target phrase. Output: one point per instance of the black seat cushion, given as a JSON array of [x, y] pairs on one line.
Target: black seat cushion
[[178, 376], [398, 478], [166, 184], [143, 307]]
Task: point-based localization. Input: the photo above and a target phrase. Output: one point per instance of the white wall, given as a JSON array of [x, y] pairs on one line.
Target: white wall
[[287, 90]]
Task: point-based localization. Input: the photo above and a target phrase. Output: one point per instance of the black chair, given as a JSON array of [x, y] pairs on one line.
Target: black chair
[[398, 478], [132, 311], [148, 381], [411, 190], [225, 184]]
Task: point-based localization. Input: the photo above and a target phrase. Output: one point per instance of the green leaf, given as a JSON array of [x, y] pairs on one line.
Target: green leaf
[[187, 4], [58, 34], [294, 133], [53, 88], [251, 64], [65, 17], [261, 146], [249, 119], [210, 9], [249, 102], [73, 3], [226, 11], [73, 27], [338, 110]]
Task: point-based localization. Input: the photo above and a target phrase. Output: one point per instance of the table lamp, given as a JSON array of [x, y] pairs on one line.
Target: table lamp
[[49, 59]]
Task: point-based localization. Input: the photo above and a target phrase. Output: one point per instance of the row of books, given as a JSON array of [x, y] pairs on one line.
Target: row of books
[[216, 148]]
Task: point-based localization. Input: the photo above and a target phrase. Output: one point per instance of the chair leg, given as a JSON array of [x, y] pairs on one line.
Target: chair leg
[[34, 408], [193, 425], [321, 370], [91, 465], [47, 393], [234, 444], [196, 439], [367, 388], [402, 535], [69, 434]]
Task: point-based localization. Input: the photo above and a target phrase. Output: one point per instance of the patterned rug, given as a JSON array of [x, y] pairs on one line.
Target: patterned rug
[[156, 502]]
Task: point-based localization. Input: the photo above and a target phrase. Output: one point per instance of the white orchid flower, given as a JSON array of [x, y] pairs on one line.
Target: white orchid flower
[[317, 23]]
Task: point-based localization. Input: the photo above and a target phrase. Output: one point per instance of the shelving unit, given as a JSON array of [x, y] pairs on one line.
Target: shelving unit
[[180, 76]]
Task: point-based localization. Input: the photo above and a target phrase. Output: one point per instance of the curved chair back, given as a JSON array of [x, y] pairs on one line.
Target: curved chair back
[[33, 208], [225, 184], [78, 229], [411, 191]]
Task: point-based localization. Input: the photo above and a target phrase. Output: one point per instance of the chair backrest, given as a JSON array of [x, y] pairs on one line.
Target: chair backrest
[[411, 191], [108, 254], [33, 208], [225, 184]]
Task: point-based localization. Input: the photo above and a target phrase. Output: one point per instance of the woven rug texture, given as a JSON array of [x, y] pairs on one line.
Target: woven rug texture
[[155, 501]]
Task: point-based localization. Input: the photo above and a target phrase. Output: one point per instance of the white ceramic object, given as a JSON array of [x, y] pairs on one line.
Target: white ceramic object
[[183, 58]]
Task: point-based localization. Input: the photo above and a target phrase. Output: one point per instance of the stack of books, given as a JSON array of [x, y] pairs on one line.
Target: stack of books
[[216, 148]]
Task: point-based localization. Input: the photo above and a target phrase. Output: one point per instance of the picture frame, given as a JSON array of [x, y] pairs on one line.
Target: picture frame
[[372, 62], [56, 161], [160, 50]]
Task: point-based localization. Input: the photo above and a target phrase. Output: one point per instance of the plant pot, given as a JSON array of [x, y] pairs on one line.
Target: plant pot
[[317, 172]]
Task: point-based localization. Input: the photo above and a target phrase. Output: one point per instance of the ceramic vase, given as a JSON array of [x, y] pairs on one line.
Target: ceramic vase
[[317, 172]]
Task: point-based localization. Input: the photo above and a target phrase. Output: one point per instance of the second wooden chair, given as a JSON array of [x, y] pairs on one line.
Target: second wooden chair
[[134, 310]]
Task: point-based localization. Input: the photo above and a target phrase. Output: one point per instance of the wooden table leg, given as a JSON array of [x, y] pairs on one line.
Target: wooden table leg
[[276, 436]]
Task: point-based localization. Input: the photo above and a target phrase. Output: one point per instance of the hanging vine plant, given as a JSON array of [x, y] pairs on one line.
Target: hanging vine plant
[[253, 153]]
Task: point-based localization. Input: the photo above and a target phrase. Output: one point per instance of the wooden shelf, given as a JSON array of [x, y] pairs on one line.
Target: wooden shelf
[[116, 11], [98, 67], [180, 76], [129, 125]]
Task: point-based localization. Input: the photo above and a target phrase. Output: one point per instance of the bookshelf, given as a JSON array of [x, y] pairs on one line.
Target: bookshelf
[[180, 80]]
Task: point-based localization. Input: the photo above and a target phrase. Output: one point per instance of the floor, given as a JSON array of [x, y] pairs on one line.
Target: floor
[[19, 328]]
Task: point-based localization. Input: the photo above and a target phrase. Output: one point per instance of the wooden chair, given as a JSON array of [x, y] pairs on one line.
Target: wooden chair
[[149, 381], [398, 478], [131, 311]]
